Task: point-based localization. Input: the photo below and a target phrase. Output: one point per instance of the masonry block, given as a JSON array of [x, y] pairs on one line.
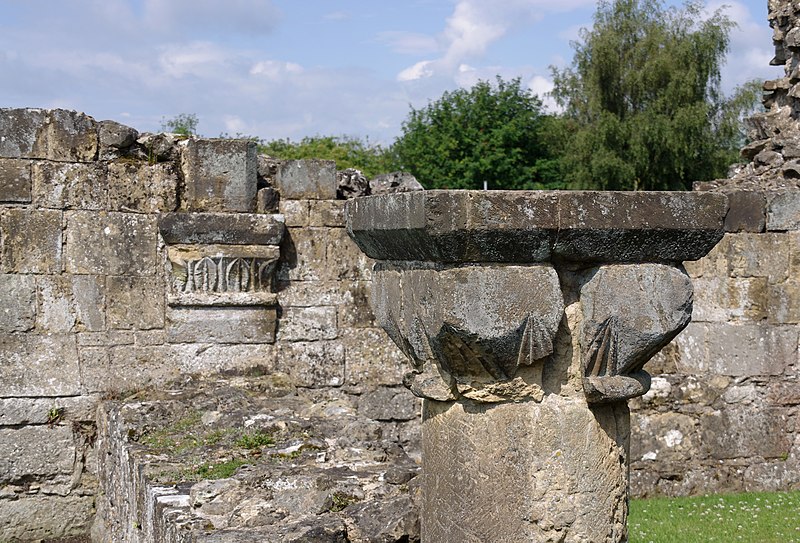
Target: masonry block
[[742, 432], [141, 187], [663, 437], [784, 302], [722, 299], [746, 212], [31, 241], [135, 302], [759, 255], [303, 253], [24, 411], [784, 211], [54, 134], [33, 518], [15, 181], [312, 364], [59, 185], [221, 325], [327, 213], [344, 260], [37, 365], [56, 310], [44, 454], [111, 243], [221, 228], [691, 355], [356, 311], [88, 295], [17, 303], [371, 358], [307, 180], [307, 323], [220, 175], [127, 368], [295, 212], [751, 349]]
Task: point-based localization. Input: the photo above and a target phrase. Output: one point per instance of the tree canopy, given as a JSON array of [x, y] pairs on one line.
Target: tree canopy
[[644, 95], [491, 133]]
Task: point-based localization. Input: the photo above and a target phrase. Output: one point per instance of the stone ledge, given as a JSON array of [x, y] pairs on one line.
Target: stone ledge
[[536, 226], [221, 228]]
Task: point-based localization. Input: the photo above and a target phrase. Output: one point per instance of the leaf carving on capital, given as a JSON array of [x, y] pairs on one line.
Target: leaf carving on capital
[[601, 356]]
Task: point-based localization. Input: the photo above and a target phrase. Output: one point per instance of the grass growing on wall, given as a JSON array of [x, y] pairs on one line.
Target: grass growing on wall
[[726, 518]]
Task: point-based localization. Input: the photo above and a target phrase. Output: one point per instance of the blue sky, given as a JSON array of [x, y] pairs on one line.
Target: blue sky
[[294, 68]]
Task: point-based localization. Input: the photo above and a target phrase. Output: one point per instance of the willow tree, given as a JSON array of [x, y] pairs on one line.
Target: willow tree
[[644, 93]]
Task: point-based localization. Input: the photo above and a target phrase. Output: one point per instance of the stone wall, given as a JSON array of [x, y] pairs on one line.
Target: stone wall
[[127, 260]]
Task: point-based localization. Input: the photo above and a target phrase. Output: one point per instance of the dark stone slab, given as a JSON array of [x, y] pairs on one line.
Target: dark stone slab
[[747, 212], [536, 226], [307, 180], [222, 228]]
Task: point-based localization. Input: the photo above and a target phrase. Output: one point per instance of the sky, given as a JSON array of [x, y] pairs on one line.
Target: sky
[[277, 69]]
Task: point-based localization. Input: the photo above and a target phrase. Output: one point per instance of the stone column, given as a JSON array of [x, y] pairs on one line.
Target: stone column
[[527, 318]]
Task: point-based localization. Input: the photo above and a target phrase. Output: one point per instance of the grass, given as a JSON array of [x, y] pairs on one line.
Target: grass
[[725, 518]]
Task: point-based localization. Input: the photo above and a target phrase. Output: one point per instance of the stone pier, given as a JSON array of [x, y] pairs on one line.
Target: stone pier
[[527, 318]]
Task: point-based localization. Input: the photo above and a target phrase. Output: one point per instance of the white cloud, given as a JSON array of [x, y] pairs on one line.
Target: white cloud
[[275, 70], [419, 70]]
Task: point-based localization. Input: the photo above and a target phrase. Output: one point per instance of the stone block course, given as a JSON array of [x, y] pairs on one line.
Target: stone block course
[[221, 325], [38, 365], [297, 212], [307, 323], [15, 181], [110, 243], [220, 175], [784, 211], [32, 411], [327, 213], [31, 241], [371, 358], [41, 454], [88, 295], [61, 185], [141, 187], [55, 134], [33, 518], [303, 253], [17, 303], [56, 310], [307, 180], [134, 302], [758, 255], [313, 364], [741, 350], [737, 432], [784, 302]]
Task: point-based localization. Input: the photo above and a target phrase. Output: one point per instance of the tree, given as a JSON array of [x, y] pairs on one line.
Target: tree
[[346, 151], [490, 133], [644, 93], [184, 124]]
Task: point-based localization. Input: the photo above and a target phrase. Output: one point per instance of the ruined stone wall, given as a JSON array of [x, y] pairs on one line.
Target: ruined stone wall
[[128, 260]]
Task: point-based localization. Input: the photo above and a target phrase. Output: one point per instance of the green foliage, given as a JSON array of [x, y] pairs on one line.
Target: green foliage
[[255, 440], [489, 133], [750, 517], [346, 151], [184, 124], [643, 91], [219, 470]]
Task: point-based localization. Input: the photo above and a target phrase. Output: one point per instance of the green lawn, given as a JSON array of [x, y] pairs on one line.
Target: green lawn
[[724, 518]]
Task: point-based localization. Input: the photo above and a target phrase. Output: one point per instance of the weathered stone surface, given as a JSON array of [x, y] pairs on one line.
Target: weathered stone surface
[[741, 431], [52, 134], [784, 303], [747, 212], [17, 303], [110, 243], [88, 295], [142, 187], [326, 213], [388, 183], [222, 228], [629, 314], [27, 411], [722, 299], [312, 364], [135, 302], [344, 260], [372, 358], [42, 454], [221, 325], [296, 212], [472, 322], [384, 403], [524, 456], [758, 255], [662, 438], [751, 349], [267, 200], [307, 323], [351, 184], [307, 180], [784, 211], [303, 254], [33, 365], [56, 309], [220, 175], [114, 138], [31, 241], [70, 186], [32, 518], [15, 181], [529, 226], [123, 369]]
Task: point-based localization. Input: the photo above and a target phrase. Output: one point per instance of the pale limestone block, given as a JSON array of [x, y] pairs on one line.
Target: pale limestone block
[[52, 134], [327, 213], [56, 311], [44, 454], [37, 365], [759, 255], [135, 302], [88, 295], [371, 358], [344, 260], [307, 180], [15, 181], [783, 305], [307, 323], [312, 364], [31, 241], [110, 243], [38, 517], [297, 212], [27, 411], [17, 303], [303, 255], [751, 349], [742, 432], [59, 185], [221, 325], [142, 187], [220, 175], [783, 212]]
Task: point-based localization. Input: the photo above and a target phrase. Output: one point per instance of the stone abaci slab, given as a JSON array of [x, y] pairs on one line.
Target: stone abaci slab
[[529, 226], [221, 228]]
